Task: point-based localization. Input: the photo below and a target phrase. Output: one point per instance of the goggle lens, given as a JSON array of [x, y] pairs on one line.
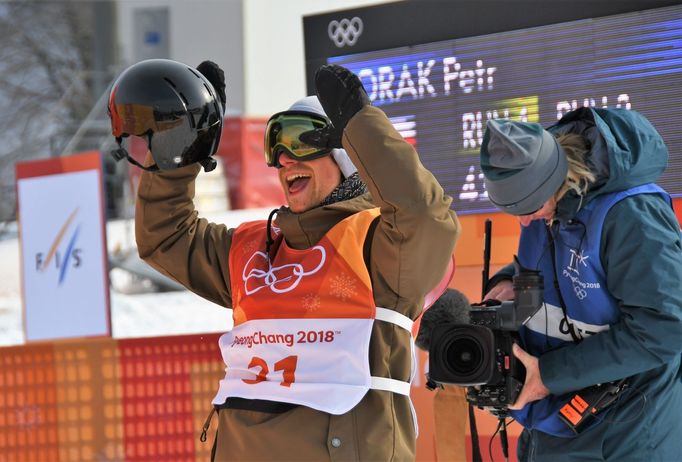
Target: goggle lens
[[282, 135]]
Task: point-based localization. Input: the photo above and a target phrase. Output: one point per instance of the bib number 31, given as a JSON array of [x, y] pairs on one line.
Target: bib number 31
[[286, 365]]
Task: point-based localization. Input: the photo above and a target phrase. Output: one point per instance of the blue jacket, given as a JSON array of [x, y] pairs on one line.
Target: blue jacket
[[590, 308], [632, 325]]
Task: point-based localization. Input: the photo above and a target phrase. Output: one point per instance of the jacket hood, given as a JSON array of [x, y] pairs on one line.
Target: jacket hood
[[626, 151]]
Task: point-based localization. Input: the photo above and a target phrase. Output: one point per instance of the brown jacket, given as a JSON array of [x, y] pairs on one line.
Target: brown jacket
[[410, 249]]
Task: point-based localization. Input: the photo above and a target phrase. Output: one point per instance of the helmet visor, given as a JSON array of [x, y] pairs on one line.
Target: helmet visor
[[282, 135]]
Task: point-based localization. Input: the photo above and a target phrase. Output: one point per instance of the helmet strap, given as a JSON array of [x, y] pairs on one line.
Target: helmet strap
[[121, 153], [208, 163]]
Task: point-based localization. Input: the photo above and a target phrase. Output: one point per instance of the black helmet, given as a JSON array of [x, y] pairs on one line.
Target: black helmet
[[173, 107]]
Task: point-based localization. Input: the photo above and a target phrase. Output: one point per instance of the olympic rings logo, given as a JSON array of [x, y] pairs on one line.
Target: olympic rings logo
[[280, 279], [345, 32]]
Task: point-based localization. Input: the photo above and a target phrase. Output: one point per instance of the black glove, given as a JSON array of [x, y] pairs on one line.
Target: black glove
[[323, 138], [341, 94], [216, 76]]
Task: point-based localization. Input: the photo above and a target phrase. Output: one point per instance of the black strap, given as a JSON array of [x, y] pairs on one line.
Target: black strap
[[207, 425], [571, 330], [367, 247], [214, 447], [268, 239], [121, 153], [475, 448], [259, 405]]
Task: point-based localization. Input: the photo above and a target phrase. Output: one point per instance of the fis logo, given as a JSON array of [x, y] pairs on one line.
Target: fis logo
[[63, 253]]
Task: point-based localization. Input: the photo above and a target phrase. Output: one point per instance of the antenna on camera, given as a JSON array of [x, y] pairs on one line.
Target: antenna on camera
[[475, 448], [486, 255], [502, 416]]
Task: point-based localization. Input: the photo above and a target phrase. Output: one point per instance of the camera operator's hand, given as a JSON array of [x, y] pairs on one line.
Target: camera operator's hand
[[533, 389], [503, 290]]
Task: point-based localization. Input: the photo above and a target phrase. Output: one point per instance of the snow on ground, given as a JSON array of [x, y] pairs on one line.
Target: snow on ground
[[132, 314]]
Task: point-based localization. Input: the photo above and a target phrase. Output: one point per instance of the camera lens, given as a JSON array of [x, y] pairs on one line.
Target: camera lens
[[464, 356]]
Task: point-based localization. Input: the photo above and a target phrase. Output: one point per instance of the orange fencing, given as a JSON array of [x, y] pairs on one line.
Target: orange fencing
[[103, 399], [143, 400]]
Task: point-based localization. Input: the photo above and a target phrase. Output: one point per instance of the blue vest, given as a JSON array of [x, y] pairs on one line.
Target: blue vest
[[582, 281]]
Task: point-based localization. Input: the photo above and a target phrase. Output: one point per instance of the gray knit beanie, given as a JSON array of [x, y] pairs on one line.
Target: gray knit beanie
[[523, 165]]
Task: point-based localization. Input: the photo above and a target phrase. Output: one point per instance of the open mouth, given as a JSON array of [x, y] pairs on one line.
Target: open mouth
[[297, 182]]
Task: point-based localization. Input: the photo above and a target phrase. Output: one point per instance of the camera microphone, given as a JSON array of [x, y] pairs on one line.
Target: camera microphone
[[452, 307]]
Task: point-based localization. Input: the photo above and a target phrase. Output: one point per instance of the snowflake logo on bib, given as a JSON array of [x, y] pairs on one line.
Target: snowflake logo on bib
[[311, 302], [343, 287]]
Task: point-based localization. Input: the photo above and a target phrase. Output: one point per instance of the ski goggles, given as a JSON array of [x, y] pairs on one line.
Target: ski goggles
[[282, 135]]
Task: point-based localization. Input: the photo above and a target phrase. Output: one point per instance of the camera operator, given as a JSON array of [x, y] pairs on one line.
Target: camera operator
[[607, 242]]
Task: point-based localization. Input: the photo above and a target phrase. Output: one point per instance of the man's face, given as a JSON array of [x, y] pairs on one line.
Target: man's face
[[307, 183], [546, 213]]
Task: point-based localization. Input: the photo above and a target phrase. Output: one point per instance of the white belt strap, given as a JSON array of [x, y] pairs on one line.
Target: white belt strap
[[393, 385], [384, 314], [383, 383], [396, 386]]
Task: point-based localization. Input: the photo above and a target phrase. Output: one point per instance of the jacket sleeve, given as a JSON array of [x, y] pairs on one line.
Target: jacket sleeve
[[642, 256], [175, 241], [416, 234]]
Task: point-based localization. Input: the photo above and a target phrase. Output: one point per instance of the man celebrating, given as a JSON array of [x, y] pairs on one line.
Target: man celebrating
[[323, 297]]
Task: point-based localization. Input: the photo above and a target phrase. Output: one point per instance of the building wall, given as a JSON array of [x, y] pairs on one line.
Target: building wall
[[259, 44], [275, 67], [198, 30]]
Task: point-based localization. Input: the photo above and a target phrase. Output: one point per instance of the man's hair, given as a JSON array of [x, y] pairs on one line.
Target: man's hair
[[579, 176]]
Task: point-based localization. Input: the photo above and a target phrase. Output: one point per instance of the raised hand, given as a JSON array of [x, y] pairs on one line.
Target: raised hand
[[216, 76], [341, 94]]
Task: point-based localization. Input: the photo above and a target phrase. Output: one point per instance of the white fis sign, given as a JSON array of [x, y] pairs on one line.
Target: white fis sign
[[64, 265]]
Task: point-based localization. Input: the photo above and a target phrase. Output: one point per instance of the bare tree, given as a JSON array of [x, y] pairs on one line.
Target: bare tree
[[46, 82]]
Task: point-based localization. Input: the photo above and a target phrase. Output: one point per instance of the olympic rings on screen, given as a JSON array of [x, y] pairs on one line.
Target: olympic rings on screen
[[345, 32]]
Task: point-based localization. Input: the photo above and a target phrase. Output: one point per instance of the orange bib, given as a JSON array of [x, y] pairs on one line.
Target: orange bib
[[303, 320]]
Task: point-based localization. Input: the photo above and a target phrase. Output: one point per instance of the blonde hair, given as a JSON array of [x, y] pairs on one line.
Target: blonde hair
[[579, 176]]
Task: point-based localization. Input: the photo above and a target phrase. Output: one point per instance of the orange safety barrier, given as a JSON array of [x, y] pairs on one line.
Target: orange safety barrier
[[251, 183], [167, 384], [135, 400], [104, 399]]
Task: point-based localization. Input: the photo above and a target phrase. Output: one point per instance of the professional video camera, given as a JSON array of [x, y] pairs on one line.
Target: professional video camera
[[479, 354]]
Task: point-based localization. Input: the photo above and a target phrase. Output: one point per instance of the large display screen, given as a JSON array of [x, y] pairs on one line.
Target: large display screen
[[439, 95]]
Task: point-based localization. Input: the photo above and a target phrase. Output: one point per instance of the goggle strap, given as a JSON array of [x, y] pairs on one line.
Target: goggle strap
[[312, 115]]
